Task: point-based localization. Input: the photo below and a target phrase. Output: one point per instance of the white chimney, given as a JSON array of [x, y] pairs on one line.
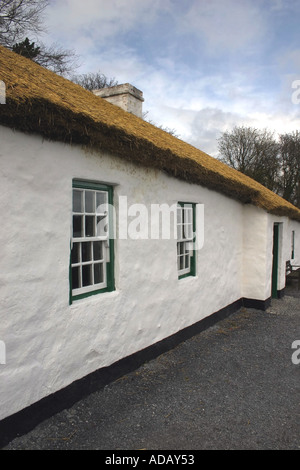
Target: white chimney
[[125, 96]]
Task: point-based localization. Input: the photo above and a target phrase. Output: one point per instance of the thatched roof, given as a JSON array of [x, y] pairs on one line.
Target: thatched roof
[[39, 101]]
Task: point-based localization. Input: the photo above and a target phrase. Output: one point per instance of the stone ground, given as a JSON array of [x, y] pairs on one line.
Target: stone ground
[[233, 386]]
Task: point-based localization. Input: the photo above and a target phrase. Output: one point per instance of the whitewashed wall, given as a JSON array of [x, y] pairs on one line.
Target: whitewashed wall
[[255, 254], [49, 343]]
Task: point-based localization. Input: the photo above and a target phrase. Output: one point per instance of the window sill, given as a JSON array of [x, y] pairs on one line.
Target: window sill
[[186, 277], [94, 298]]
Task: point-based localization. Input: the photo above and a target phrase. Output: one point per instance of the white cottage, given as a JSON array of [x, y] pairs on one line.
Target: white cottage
[[93, 281]]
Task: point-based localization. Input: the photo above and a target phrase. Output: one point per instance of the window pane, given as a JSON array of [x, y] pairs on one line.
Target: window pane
[[98, 248], [179, 221], [179, 215], [102, 225], [89, 226], [75, 254], [187, 261], [98, 273], [181, 262], [179, 232], [101, 202], [75, 278], [89, 201], [188, 231], [77, 226], [87, 275], [86, 251], [77, 201], [188, 215]]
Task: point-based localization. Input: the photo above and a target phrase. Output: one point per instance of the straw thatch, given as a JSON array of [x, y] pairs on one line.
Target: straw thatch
[[39, 101]]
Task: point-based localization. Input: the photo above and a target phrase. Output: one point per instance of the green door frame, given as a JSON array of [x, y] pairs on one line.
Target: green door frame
[[275, 261]]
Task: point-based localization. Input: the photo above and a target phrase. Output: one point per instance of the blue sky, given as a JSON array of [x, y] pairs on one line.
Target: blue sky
[[203, 66]]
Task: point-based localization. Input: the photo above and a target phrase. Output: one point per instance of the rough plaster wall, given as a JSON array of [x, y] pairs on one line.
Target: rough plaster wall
[[50, 343], [255, 253]]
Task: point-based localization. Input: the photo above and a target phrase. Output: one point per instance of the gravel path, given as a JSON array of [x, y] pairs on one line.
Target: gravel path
[[233, 386]]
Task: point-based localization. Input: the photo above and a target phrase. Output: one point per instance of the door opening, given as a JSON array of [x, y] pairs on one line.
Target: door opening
[[275, 261]]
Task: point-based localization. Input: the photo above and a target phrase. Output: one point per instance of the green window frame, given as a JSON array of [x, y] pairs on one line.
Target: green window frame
[[92, 240], [186, 237]]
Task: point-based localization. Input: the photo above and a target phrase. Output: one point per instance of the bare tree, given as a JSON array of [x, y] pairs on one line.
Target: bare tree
[[290, 165], [253, 152], [93, 81], [59, 60], [20, 18]]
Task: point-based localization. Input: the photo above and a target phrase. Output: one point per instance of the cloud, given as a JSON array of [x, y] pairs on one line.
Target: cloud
[[209, 124], [102, 19], [200, 128], [226, 25], [203, 66], [123, 64], [283, 5]]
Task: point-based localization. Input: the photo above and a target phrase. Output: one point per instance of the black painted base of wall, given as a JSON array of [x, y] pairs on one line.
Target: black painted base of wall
[[25, 420], [280, 293], [257, 304]]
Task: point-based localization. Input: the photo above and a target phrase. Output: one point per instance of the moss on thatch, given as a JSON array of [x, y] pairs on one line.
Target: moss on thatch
[[39, 101]]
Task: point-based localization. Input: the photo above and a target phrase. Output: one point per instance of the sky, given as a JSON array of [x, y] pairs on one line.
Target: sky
[[204, 67]]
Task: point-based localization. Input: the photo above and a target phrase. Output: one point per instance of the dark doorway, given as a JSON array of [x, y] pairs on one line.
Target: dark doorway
[[275, 261]]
